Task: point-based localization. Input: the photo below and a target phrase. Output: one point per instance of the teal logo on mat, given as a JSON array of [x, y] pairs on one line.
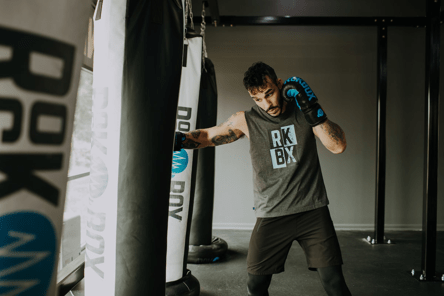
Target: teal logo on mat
[[27, 253], [180, 162]]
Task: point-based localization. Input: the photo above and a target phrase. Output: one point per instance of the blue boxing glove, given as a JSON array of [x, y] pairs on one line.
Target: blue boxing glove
[[179, 138], [295, 88]]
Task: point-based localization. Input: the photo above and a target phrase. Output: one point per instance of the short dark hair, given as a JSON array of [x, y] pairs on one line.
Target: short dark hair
[[254, 77]]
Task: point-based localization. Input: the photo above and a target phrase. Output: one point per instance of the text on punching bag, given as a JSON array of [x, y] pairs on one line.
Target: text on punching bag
[[96, 223], [178, 187], [20, 167]]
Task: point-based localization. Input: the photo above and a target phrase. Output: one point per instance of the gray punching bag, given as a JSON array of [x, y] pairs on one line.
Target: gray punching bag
[[203, 246], [151, 80]]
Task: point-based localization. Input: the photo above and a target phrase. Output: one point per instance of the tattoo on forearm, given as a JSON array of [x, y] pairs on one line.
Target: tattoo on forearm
[[334, 131], [224, 139], [190, 144], [196, 134]]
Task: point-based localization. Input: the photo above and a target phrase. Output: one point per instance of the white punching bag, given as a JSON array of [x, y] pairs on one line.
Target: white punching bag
[[183, 159], [41, 55], [101, 226]]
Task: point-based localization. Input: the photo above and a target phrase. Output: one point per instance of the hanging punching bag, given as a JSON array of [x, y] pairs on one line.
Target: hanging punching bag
[[151, 81], [179, 279], [138, 65], [203, 247], [101, 226], [41, 54]]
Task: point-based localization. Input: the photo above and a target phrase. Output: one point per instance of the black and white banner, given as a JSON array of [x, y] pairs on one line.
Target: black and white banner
[[41, 54]]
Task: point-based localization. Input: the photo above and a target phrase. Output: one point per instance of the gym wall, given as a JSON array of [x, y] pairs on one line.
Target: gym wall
[[340, 65]]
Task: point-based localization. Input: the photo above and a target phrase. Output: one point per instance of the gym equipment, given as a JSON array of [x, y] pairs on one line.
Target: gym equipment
[[205, 248], [151, 81], [138, 44], [179, 280], [40, 61], [179, 138], [101, 226], [295, 88]]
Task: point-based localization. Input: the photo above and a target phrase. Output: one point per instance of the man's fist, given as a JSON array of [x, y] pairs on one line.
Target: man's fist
[[178, 141], [295, 88]]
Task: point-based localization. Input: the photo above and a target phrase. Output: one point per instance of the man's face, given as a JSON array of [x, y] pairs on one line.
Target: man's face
[[268, 97]]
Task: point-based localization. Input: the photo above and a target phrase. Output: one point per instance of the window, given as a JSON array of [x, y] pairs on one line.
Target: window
[[77, 191]]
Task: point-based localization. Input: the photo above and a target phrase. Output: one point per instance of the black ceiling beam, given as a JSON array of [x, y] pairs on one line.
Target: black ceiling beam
[[316, 21]]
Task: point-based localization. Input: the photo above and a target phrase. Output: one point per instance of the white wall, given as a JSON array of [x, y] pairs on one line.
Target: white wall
[[339, 63]]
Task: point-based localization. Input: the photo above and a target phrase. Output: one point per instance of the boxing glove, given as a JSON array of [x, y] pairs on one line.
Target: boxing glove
[[295, 88], [179, 138]]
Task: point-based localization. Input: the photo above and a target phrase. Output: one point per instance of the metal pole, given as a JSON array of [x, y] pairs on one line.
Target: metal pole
[[381, 135], [429, 222]]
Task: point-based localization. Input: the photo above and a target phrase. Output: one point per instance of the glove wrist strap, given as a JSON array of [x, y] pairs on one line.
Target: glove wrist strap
[[315, 115]]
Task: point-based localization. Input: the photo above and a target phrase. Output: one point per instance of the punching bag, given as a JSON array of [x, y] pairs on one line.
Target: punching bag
[[134, 112], [101, 226], [41, 54], [152, 71], [179, 279], [203, 247]]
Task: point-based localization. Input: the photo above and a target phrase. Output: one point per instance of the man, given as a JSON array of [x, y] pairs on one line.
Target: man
[[289, 193]]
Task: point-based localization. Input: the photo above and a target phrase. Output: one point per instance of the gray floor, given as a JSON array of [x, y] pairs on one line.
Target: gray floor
[[378, 270]]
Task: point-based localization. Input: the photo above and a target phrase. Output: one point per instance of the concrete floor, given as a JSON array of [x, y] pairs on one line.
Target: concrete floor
[[370, 270]]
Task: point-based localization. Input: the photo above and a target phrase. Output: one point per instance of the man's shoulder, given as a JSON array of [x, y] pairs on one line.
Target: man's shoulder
[[239, 121], [239, 117], [253, 110]]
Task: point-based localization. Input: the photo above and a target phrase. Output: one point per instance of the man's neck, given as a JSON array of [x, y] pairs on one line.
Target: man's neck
[[284, 106]]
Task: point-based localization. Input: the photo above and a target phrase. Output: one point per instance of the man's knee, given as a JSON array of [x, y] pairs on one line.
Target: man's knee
[[333, 280], [258, 284]]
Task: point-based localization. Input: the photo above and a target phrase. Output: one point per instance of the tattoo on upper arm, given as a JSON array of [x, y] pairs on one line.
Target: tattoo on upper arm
[[225, 139], [228, 122], [196, 134]]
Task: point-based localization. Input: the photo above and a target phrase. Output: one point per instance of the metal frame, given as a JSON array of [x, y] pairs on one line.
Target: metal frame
[[71, 275], [312, 21], [431, 22], [78, 176], [381, 135], [214, 7], [429, 224]]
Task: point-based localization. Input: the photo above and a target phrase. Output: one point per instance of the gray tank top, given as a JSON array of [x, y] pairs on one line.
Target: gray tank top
[[287, 175]]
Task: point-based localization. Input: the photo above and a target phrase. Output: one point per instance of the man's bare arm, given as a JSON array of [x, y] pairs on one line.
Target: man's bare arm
[[331, 135], [227, 132]]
